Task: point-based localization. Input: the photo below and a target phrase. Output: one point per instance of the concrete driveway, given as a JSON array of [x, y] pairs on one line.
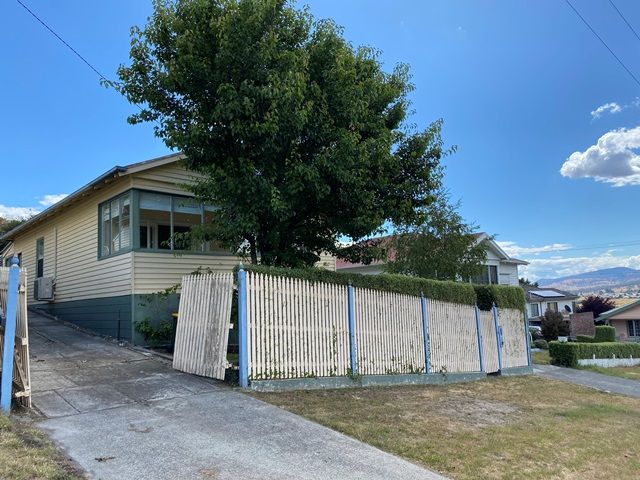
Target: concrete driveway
[[599, 381], [121, 414]]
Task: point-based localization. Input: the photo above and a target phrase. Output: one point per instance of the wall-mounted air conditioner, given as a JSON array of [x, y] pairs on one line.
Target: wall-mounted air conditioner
[[43, 288]]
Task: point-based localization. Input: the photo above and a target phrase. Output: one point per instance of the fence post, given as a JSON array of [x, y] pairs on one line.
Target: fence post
[[425, 334], [526, 336], [13, 285], [494, 309], [479, 332], [352, 329], [243, 359]]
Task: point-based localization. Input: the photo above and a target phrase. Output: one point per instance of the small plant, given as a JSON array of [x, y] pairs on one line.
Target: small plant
[[554, 325], [154, 336], [541, 344]]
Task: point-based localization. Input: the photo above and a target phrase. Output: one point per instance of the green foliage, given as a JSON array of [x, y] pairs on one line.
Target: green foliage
[[154, 336], [584, 339], [299, 138], [5, 226], [554, 325], [567, 354], [504, 296], [596, 304], [455, 292], [535, 333], [541, 344], [442, 248], [605, 333], [525, 282]]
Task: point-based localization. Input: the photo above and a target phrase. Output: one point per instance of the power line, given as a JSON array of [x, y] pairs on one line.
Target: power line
[[603, 42], [624, 19]]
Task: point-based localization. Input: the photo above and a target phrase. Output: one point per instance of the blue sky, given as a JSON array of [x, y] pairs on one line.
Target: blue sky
[[518, 84]]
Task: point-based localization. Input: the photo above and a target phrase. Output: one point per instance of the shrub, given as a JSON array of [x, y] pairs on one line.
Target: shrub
[[504, 296], [554, 325], [535, 333], [568, 354], [542, 344], [585, 339], [605, 333]]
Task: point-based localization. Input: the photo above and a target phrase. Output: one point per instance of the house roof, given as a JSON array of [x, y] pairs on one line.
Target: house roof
[[615, 311], [89, 188], [539, 294], [480, 236]]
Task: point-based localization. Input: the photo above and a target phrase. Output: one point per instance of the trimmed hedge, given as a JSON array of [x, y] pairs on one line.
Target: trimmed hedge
[[568, 354], [604, 333], [504, 296], [584, 339], [455, 292]]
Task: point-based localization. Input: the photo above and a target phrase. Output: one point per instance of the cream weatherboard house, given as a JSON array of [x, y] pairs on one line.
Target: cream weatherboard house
[[94, 257]]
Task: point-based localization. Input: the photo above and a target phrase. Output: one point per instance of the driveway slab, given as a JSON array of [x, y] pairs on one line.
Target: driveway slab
[[121, 414], [586, 378]]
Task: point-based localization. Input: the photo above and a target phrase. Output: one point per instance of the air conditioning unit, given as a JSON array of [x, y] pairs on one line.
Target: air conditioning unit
[[43, 288]]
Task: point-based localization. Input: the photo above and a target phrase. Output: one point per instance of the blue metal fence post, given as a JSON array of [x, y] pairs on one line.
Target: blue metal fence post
[[425, 334], [527, 335], [352, 329], [6, 384], [480, 344], [494, 309], [243, 359]]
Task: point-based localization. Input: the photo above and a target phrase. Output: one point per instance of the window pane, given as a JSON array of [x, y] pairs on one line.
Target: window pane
[[155, 221], [493, 272], [125, 222], [105, 242], [187, 213], [40, 257]]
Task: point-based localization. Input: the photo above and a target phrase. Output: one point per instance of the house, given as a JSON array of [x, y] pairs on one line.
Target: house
[[499, 268], [626, 320], [94, 257], [541, 299]]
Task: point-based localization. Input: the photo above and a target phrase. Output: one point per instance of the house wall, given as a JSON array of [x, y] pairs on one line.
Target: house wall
[[619, 321], [542, 306]]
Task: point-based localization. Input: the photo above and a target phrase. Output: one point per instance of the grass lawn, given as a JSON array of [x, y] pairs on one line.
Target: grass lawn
[[509, 427], [541, 357], [632, 373], [25, 453]]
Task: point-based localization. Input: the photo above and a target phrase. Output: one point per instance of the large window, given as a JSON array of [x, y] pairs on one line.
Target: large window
[[489, 276], [535, 310], [115, 225], [152, 221], [553, 306], [633, 328], [40, 257]]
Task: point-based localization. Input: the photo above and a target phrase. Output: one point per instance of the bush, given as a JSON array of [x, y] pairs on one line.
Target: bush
[[504, 296], [568, 354], [585, 339], [542, 344], [536, 333], [554, 325], [605, 333]]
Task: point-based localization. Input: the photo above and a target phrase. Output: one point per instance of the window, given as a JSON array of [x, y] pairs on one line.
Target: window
[[40, 257], [535, 310], [115, 225], [488, 276], [553, 306], [633, 328]]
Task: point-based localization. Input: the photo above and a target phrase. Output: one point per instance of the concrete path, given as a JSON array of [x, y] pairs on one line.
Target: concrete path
[[596, 380], [121, 414]]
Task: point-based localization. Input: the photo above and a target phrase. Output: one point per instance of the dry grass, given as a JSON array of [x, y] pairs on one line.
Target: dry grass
[[525, 427], [26, 454], [632, 373], [541, 357]]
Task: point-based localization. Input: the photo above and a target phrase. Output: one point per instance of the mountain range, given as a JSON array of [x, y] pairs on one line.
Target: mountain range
[[621, 280]]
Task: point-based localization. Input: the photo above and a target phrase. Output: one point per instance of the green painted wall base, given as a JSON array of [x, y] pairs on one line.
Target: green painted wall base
[[513, 371], [289, 384]]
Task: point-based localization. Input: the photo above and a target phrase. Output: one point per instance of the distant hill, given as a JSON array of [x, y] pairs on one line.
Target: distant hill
[[618, 279]]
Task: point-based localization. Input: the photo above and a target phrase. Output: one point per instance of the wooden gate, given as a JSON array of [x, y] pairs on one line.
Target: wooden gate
[[21, 367], [202, 332], [489, 342]]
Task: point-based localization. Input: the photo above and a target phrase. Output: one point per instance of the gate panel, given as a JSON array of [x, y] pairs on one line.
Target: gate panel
[[489, 342], [202, 331]]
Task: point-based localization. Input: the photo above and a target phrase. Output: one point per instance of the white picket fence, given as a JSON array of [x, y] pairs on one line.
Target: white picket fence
[[297, 329]]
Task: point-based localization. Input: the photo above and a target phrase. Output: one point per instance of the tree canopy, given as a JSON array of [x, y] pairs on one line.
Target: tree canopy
[[596, 304], [300, 138], [7, 224]]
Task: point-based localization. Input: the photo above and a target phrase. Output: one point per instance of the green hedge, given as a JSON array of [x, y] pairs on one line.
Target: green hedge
[[456, 292], [585, 339], [605, 333], [504, 296], [568, 353]]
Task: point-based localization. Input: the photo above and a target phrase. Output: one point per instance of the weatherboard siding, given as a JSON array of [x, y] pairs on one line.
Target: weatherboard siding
[[169, 178]]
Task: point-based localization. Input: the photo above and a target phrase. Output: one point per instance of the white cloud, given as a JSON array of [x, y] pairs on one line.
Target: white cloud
[[611, 107], [516, 250], [559, 266], [16, 213], [611, 160], [48, 200]]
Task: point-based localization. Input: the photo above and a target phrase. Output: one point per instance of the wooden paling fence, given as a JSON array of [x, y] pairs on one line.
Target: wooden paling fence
[[21, 374], [202, 331], [296, 329]]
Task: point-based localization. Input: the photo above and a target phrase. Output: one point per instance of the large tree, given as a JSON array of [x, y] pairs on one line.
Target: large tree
[[596, 304], [300, 139], [443, 247]]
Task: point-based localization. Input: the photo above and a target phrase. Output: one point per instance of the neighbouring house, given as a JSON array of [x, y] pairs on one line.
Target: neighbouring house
[[541, 299], [626, 320], [95, 257], [498, 269]]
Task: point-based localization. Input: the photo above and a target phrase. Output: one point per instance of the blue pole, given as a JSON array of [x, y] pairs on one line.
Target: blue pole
[[526, 336], [480, 345], [10, 335], [243, 359], [498, 335], [352, 329], [425, 334]]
